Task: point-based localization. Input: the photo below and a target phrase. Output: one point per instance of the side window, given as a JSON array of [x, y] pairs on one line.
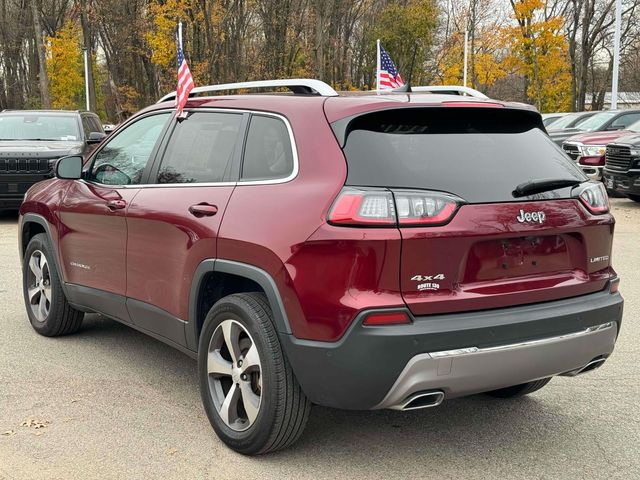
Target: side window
[[200, 148], [123, 159], [86, 126], [96, 126], [267, 153], [625, 120]]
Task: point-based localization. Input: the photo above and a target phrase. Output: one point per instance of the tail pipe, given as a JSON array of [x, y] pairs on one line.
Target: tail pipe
[[592, 365], [420, 400]]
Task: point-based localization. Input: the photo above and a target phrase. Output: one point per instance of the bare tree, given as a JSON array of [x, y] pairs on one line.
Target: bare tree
[[42, 58]]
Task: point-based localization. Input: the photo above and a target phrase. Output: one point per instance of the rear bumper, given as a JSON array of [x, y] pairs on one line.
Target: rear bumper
[[472, 370], [379, 367]]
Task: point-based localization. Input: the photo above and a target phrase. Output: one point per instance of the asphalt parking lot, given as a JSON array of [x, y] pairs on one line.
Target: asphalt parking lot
[[110, 402]]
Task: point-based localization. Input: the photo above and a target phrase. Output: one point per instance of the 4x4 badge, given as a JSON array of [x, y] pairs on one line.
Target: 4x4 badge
[[531, 217]]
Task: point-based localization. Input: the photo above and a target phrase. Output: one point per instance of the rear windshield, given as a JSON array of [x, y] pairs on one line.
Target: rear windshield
[[479, 154]]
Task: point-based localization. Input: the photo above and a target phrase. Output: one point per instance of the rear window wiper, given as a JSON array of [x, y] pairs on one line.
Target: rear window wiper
[[538, 186]]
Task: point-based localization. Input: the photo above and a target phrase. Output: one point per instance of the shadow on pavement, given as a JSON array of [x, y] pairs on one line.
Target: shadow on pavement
[[475, 425]]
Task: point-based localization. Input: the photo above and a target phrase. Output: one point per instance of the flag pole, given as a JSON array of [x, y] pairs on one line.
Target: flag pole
[[616, 55], [378, 67], [181, 46], [85, 55]]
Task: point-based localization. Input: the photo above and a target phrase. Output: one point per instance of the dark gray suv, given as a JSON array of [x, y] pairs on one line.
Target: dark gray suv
[[32, 140]]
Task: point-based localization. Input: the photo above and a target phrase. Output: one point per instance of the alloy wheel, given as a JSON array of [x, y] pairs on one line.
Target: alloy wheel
[[235, 380], [39, 285]]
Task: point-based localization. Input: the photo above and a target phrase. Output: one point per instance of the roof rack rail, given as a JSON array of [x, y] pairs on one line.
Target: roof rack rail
[[296, 85], [450, 90]]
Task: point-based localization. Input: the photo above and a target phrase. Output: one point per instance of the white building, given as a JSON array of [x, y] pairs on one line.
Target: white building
[[625, 100]]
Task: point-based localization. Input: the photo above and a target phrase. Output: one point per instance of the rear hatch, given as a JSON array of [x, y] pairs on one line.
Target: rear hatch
[[496, 246]]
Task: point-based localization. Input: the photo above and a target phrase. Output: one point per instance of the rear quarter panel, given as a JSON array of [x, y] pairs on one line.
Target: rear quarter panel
[[266, 225]]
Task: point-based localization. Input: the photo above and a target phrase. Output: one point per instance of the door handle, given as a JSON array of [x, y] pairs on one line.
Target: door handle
[[116, 204], [203, 210]]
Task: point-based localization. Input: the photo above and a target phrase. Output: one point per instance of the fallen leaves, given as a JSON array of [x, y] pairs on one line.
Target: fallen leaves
[[9, 433], [35, 424]]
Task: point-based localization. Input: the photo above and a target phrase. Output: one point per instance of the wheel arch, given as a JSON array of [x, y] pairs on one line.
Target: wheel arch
[[217, 278], [31, 225]]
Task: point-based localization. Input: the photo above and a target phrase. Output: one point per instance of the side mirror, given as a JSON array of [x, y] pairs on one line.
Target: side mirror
[[96, 137], [70, 168]]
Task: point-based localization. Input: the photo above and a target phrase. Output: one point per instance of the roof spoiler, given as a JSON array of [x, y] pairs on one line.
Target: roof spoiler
[[450, 90]]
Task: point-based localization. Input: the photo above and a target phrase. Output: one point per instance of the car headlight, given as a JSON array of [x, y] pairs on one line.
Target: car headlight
[[75, 151], [635, 152], [593, 150]]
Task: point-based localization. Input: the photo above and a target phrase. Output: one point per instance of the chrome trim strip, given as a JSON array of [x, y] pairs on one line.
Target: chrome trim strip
[[475, 350], [288, 178], [294, 151], [319, 86]]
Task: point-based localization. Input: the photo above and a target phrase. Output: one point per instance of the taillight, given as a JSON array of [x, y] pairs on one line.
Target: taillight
[[387, 318], [594, 197], [382, 207], [363, 207], [424, 208]]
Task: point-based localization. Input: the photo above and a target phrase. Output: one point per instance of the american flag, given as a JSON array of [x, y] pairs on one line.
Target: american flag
[[388, 76], [185, 80]]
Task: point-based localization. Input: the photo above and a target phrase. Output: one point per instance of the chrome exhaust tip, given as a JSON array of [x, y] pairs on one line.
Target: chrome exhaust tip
[[592, 365], [420, 400]]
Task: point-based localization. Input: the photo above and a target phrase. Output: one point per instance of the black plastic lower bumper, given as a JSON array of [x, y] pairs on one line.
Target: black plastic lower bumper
[[8, 202], [357, 371], [13, 187], [625, 183]]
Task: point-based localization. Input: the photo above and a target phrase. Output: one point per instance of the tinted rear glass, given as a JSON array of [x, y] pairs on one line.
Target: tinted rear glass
[[479, 154]]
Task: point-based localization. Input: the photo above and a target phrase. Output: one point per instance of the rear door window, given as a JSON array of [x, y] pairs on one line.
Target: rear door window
[[478, 154], [268, 151], [201, 148]]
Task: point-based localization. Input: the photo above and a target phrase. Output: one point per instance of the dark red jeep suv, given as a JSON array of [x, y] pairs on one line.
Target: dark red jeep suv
[[363, 252]]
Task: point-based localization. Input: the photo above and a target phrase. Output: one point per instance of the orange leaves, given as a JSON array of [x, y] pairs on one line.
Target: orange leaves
[[539, 51], [65, 67], [161, 37]]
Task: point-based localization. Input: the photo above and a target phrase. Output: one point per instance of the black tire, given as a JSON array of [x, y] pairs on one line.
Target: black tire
[[61, 318], [519, 390], [635, 198], [284, 409]]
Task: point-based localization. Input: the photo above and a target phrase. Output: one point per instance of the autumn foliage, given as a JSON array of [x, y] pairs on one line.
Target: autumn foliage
[[65, 67]]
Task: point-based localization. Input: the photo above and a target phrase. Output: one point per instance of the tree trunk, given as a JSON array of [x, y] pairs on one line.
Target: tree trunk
[[42, 58]]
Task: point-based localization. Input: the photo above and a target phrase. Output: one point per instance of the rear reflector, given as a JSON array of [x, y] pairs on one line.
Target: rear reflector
[[382, 207], [613, 285], [387, 318]]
